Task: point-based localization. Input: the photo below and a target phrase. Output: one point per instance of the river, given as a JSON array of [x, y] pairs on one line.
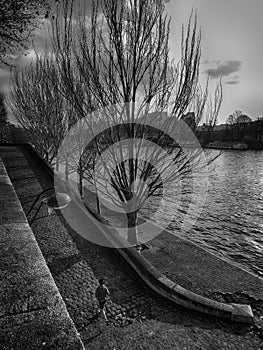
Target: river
[[231, 222]]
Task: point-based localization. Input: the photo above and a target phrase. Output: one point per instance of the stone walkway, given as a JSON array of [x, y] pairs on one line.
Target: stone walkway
[[32, 312], [139, 319]]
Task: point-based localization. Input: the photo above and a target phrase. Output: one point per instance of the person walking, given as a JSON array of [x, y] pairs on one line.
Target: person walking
[[101, 293]]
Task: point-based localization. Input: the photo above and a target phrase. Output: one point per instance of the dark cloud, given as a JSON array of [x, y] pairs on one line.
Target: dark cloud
[[232, 82], [224, 69], [205, 62]]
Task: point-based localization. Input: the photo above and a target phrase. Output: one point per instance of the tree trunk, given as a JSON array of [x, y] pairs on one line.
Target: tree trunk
[[66, 170], [47, 156], [2, 133], [57, 164], [98, 204], [132, 228], [97, 196], [81, 185]]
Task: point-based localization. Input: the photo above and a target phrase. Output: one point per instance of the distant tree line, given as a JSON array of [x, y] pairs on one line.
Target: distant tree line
[[238, 128]]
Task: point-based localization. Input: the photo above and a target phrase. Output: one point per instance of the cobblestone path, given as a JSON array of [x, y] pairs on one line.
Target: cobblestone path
[[76, 265]]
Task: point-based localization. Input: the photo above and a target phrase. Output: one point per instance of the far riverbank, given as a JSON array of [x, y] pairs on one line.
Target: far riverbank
[[234, 146]]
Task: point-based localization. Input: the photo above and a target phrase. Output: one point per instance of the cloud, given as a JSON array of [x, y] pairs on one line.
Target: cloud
[[224, 69], [205, 62], [232, 82]]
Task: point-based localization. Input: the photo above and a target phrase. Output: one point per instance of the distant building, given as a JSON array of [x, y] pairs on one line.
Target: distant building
[[219, 127]]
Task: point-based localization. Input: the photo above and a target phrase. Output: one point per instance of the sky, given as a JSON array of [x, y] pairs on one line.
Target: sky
[[232, 47]]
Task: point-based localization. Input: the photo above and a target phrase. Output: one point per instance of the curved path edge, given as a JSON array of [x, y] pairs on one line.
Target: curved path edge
[[155, 279]]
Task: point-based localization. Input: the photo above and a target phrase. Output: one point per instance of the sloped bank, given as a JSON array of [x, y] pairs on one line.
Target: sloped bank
[[155, 279]]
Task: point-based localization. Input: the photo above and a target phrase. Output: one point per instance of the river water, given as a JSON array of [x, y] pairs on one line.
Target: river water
[[231, 222]]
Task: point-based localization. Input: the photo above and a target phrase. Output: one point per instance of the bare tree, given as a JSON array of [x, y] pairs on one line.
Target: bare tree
[[118, 61], [238, 123], [206, 110], [38, 105], [230, 122], [18, 19], [230, 119]]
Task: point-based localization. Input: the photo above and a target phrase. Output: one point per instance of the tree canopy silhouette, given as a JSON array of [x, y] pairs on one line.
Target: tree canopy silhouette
[[18, 19]]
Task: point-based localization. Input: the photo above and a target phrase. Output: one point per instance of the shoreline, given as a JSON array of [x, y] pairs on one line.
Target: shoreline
[[233, 146]]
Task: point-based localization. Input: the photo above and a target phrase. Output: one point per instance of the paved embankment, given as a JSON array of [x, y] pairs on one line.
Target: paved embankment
[[32, 312], [139, 319], [201, 271]]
